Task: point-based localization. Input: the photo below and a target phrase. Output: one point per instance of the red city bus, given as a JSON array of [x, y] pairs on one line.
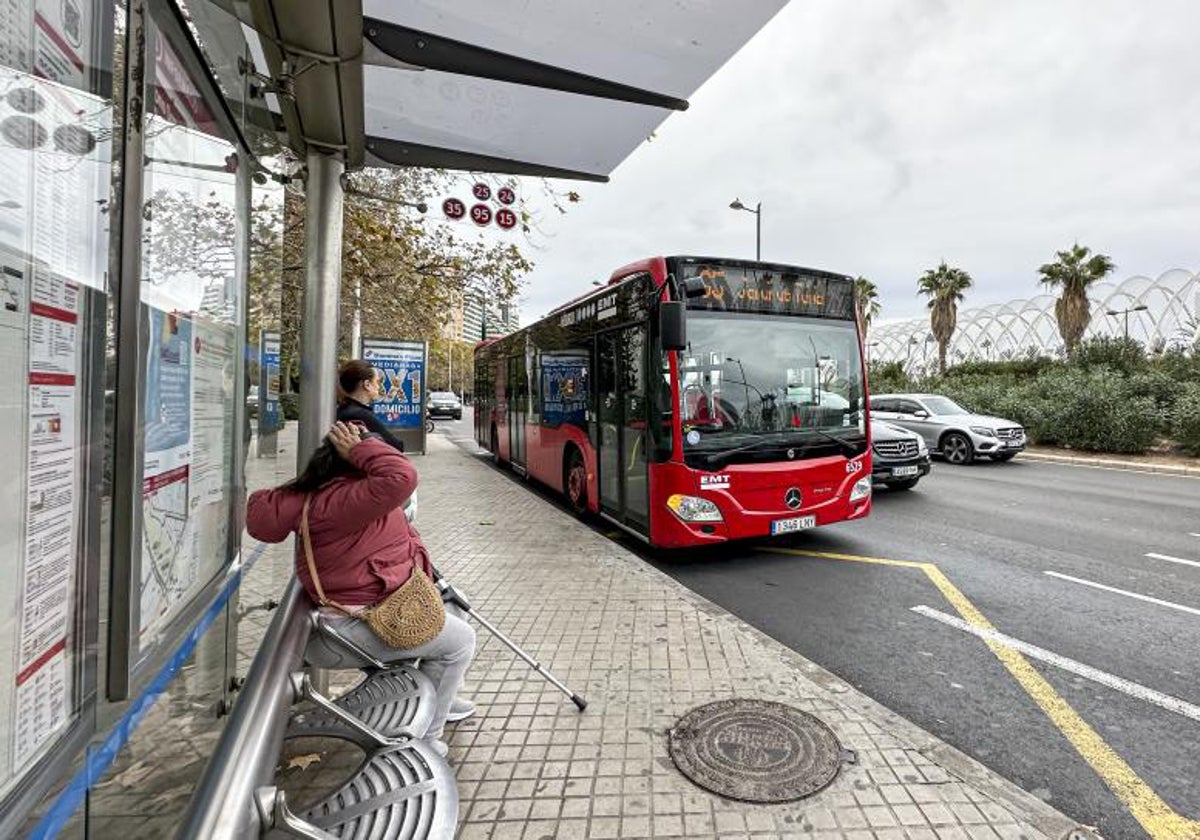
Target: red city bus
[[690, 401]]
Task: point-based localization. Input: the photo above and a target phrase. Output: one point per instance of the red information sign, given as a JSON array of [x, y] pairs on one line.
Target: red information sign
[[454, 209], [506, 218], [481, 191], [481, 214], [506, 195]]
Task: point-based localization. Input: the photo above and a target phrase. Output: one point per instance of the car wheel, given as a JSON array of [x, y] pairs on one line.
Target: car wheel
[[957, 448], [458, 416], [907, 484], [575, 482], [1004, 456]]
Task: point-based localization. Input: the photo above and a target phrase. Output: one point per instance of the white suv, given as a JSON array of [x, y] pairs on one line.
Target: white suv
[[949, 429]]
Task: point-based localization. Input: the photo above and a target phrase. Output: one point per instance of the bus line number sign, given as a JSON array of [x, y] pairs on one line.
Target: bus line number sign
[[481, 214], [506, 196], [454, 209], [481, 191], [506, 218]]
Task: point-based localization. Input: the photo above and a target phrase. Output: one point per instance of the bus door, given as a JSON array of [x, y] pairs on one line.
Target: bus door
[[621, 411], [517, 393]]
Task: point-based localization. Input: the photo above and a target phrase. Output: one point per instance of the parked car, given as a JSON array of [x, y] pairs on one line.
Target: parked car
[[949, 429], [445, 404], [898, 457]]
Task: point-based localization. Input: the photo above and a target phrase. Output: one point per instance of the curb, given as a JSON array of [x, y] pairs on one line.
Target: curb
[[1112, 464], [1019, 802]]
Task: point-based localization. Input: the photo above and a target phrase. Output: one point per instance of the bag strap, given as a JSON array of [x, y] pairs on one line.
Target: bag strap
[[312, 564]]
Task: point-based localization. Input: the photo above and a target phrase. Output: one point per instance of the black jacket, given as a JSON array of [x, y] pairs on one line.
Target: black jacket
[[352, 411]]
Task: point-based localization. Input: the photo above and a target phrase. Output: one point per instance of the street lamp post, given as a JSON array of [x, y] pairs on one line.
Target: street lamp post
[[1141, 307], [736, 204]]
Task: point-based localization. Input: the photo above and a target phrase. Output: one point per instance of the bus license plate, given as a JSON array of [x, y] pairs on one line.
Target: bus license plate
[[901, 472], [788, 526]]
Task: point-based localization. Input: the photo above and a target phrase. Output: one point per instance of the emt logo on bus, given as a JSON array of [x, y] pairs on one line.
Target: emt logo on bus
[[600, 308]]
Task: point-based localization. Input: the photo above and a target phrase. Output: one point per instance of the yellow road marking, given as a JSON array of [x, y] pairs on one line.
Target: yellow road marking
[[1146, 806]]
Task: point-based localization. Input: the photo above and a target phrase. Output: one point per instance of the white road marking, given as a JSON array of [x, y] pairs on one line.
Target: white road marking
[[1125, 592], [1141, 692], [1194, 535], [1171, 559]]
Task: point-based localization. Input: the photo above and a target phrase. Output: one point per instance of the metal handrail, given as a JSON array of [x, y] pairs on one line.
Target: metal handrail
[[224, 806]]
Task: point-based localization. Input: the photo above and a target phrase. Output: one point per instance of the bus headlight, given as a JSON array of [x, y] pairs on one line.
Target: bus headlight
[[862, 490], [693, 509]]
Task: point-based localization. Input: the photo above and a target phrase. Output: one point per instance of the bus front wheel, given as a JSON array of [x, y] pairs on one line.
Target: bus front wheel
[[575, 481]]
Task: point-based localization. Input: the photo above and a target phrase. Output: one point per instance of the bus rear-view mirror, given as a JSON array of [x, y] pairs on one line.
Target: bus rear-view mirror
[[693, 287], [672, 325]]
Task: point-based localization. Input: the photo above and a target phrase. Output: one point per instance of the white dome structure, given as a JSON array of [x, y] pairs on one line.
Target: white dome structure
[[1027, 327]]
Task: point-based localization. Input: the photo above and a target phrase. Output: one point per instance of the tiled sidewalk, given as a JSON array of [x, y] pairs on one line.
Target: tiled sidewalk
[[643, 650]]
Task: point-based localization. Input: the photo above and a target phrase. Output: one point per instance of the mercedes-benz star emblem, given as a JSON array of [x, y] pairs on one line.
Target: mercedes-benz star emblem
[[792, 497]]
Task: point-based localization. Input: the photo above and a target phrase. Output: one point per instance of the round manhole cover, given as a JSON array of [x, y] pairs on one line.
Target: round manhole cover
[[755, 750]]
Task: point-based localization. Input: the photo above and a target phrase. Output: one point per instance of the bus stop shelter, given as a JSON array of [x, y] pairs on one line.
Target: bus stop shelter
[[141, 138]]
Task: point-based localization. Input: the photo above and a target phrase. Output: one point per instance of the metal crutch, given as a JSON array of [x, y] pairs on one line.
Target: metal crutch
[[449, 593]]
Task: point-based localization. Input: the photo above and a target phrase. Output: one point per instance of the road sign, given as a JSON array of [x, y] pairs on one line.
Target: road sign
[[481, 191], [481, 214], [505, 195], [506, 218], [454, 209]]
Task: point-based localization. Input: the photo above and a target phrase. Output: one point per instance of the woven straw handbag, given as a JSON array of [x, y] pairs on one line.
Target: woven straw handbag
[[407, 618]]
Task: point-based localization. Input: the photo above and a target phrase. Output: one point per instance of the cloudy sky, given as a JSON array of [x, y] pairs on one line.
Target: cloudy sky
[[882, 137]]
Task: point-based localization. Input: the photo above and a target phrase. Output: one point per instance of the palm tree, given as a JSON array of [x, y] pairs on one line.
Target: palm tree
[[944, 286], [1073, 272], [866, 303]]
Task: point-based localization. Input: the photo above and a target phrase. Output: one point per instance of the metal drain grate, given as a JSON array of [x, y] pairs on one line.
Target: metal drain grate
[[756, 750]]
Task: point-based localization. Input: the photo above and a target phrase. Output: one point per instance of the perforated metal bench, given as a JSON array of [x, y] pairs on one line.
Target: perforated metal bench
[[403, 789], [401, 793], [396, 703]]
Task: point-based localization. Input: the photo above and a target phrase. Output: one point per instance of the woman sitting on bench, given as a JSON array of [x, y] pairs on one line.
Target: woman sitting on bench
[[363, 549]]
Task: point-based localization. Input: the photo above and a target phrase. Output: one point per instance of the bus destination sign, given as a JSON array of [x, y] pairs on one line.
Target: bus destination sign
[[736, 289]]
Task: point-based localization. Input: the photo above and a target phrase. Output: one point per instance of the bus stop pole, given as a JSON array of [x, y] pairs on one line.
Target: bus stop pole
[[318, 330], [322, 282]]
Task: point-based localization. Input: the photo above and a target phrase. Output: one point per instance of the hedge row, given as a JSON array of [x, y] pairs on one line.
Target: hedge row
[[1110, 397]]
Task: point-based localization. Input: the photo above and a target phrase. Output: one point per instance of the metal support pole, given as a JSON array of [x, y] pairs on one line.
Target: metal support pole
[[356, 321], [322, 281], [758, 232]]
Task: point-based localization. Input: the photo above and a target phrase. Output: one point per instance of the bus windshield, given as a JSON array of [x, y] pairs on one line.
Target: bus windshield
[[745, 376]]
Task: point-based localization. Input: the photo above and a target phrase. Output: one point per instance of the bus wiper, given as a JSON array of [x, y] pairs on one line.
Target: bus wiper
[[849, 448], [765, 443]]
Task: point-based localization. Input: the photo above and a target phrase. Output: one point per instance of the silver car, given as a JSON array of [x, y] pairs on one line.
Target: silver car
[[949, 429]]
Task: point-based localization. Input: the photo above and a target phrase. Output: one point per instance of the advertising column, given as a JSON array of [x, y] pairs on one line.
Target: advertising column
[[401, 403], [270, 414]]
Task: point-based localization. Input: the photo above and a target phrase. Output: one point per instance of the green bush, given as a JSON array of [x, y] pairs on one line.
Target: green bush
[[290, 403], [1016, 367], [1185, 427], [889, 379], [1095, 410], [1123, 354], [1159, 387]]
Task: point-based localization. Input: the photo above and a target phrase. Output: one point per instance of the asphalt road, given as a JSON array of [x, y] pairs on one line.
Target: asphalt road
[[995, 530]]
